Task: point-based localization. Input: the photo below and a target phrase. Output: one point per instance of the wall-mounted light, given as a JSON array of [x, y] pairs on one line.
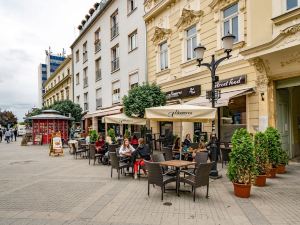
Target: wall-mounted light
[[262, 95]]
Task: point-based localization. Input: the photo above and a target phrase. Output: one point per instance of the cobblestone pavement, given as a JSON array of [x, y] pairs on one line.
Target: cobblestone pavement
[[36, 189]]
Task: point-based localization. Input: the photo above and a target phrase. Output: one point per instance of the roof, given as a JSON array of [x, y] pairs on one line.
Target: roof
[[50, 114]]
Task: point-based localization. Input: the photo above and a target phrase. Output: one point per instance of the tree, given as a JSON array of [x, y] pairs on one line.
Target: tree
[[8, 118], [34, 112], [141, 97], [65, 107]]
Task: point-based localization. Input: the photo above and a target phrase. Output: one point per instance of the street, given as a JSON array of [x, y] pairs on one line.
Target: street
[[38, 189]]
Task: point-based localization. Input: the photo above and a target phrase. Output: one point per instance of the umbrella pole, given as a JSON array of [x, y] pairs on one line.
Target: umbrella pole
[[180, 152]]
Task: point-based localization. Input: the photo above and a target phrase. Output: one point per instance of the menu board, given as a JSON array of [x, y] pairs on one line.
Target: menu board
[[56, 148]]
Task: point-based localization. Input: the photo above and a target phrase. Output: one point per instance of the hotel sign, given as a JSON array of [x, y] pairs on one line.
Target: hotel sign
[[231, 82], [184, 92]]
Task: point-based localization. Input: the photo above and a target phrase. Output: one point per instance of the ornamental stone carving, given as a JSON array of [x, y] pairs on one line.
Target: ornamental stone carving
[[224, 3], [262, 80], [188, 17], [291, 30], [160, 34], [259, 65], [294, 58]]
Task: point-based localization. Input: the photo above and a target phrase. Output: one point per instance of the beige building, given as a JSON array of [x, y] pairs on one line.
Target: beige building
[[59, 85], [253, 92]]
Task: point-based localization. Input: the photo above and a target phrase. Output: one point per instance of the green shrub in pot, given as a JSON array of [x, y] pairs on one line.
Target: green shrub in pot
[[261, 153], [283, 157], [274, 145], [93, 136]]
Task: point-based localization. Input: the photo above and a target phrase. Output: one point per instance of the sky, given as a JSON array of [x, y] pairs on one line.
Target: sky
[[28, 28]]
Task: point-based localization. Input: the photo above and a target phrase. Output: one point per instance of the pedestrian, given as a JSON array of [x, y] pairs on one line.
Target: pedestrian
[[11, 134], [1, 135], [7, 135], [15, 133]]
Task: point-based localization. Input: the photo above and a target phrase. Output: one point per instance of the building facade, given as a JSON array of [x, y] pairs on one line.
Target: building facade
[[42, 77], [109, 58], [59, 86]]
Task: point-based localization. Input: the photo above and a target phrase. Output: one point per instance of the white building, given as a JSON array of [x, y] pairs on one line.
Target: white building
[[109, 58]]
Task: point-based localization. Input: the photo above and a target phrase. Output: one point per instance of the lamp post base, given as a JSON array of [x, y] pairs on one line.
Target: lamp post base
[[214, 174]]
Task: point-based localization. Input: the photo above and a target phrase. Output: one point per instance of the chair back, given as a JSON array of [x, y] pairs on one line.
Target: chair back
[[118, 151], [154, 173], [114, 160], [202, 174], [92, 151], [194, 145], [201, 157], [158, 158], [168, 153], [112, 147], [73, 148]]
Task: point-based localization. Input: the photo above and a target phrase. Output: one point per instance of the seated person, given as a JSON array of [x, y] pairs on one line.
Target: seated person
[[134, 140], [126, 149], [100, 144], [201, 148], [177, 148], [142, 152], [187, 141]]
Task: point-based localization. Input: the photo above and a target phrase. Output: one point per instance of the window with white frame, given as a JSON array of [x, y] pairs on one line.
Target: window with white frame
[[98, 97], [85, 102], [191, 42], [115, 58], [78, 99], [114, 23], [132, 39], [131, 5], [231, 21], [77, 56], [116, 92], [97, 41], [133, 80], [98, 69], [77, 79], [163, 53], [85, 77], [84, 52], [291, 4]]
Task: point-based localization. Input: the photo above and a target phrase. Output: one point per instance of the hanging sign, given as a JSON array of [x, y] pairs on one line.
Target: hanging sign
[[184, 92], [231, 82]]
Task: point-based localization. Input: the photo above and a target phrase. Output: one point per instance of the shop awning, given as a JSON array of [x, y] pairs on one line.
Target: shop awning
[[105, 112], [123, 119], [223, 101]]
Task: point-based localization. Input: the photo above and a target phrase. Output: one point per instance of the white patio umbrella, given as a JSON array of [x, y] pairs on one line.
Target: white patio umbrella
[[123, 119], [181, 113]]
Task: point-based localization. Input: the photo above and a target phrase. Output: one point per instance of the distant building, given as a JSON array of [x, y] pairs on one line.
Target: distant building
[[45, 70]]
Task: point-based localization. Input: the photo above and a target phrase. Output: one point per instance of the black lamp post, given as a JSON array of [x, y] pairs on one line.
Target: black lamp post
[[214, 94]]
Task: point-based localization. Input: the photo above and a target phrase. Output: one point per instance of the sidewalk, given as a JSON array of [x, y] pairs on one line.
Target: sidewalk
[[38, 189]]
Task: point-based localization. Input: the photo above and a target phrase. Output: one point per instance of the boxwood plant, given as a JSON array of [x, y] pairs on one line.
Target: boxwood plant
[[274, 145], [242, 167], [261, 153]]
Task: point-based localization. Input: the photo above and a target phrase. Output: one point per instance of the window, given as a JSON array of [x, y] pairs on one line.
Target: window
[[98, 97], [133, 80], [97, 41], [67, 93], [98, 69], [78, 99], [77, 56], [77, 79], [230, 21], [62, 95], [131, 4], [290, 4], [68, 72], [164, 56], [191, 42], [114, 25], [84, 53], [85, 102], [132, 38], [85, 77], [115, 58], [116, 92]]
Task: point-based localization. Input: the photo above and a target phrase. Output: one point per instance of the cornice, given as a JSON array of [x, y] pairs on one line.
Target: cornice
[[160, 34], [219, 4], [159, 5], [286, 17], [188, 17]]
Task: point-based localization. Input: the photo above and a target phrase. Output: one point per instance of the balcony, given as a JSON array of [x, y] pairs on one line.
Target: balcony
[[98, 102], [85, 106], [97, 46], [85, 82], [115, 64], [114, 31], [98, 75]]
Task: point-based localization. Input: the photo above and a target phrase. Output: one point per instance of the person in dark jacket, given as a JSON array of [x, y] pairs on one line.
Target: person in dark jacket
[[141, 153], [15, 133], [1, 135]]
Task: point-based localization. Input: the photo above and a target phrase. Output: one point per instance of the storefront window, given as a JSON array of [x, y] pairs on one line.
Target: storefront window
[[233, 117], [166, 128]]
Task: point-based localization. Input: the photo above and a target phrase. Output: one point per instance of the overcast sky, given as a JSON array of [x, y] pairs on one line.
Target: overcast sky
[[28, 27]]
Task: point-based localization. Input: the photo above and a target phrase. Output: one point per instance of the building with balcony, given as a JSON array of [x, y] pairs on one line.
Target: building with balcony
[[59, 86], [109, 58]]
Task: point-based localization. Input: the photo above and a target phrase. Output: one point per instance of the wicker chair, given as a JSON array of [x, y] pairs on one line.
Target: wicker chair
[[156, 177], [168, 153], [201, 178], [77, 151], [93, 155], [116, 164]]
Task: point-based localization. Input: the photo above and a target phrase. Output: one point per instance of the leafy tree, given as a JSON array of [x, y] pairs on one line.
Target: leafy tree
[[7, 117], [65, 107], [142, 97], [242, 166], [261, 153], [34, 112]]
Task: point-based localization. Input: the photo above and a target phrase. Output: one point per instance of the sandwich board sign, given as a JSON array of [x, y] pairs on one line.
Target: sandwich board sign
[[56, 148]]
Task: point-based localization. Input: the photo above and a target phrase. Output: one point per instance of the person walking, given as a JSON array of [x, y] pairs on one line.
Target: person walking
[[15, 133], [7, 135], [11, 135], [1, 135]]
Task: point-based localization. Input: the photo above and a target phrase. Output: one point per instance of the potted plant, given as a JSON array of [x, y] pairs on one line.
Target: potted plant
[[262, 158], [242, 167], [283, 161], [274, 147], [127, 134], [112, 134], [93, 136]]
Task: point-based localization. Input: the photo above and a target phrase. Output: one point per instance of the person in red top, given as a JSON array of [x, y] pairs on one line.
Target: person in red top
[[134, 140], [100, 144]]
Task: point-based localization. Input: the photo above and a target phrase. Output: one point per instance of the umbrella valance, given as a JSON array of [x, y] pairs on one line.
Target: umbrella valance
[[123, 119]]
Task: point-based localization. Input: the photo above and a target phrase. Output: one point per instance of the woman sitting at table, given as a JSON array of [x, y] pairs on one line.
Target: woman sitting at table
[[134, 140], [142, 153], [100, 144], [177, 148], [187, 141], [126, 149], [201, 148]]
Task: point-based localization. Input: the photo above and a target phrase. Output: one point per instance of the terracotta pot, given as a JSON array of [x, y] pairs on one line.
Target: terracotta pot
[[281, 169], [242, 190], [272, 173], [261, 180]]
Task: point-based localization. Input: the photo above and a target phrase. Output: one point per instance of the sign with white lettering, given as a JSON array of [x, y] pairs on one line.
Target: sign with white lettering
[[231, 82], [184, 92]]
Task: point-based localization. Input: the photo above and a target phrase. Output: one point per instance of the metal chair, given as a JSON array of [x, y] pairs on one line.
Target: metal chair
[[116, 164], [77, 151], [201, 178], [156, 177], [92, 154]]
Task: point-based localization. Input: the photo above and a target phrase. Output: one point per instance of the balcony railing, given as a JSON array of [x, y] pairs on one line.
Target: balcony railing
[[114, 30], [116, 98], [86, 106], [115, 64], [97, 46], [98, 75], [85, 82], [98, 102]]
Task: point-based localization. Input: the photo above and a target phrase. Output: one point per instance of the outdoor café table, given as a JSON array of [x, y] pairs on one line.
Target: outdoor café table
[[178, 164]]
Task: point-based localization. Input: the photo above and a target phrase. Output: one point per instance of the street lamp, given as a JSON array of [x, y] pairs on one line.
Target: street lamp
[[214, 94]]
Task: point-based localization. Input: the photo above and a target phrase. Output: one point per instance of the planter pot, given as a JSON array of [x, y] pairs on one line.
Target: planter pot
[[260, 180], [242, 190], [272, 173], [281, 169]]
